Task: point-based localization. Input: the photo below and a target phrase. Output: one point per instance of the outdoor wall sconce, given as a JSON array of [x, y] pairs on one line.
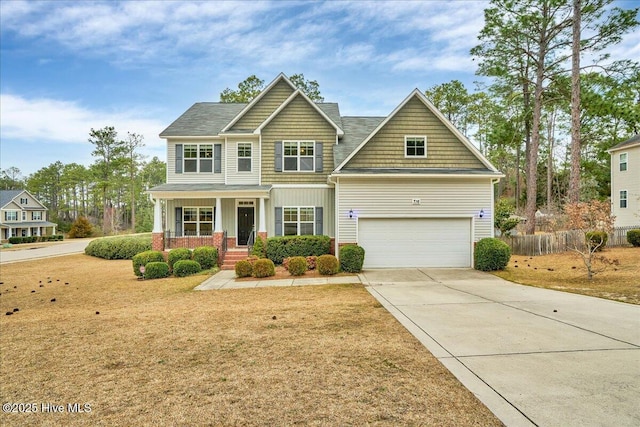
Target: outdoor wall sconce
[[350, 213], [481, 214]]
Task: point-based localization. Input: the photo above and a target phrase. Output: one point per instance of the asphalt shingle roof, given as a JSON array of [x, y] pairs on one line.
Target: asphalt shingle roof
[[632, 141], [356, 129], [7, 196]]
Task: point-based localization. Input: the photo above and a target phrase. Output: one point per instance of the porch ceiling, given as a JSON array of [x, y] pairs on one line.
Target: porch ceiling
[[206, 191]]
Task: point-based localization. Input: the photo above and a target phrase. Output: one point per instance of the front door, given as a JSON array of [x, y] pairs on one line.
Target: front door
[[245, 224]]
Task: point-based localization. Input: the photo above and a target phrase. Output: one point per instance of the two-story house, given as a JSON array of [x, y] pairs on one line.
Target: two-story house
[[408, 187], [21, 215], [625, 182]]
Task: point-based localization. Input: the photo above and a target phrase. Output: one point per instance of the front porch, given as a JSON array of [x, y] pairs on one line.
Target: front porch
[[27, 229]]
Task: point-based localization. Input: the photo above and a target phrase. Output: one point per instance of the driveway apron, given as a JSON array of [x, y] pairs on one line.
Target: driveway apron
[[533, 356]]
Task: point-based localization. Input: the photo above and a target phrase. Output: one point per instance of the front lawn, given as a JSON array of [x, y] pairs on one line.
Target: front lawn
[[157, 353], [566, 272]]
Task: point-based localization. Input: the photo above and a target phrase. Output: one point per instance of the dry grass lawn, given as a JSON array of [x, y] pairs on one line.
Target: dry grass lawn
[[566, 272], [159, 353]]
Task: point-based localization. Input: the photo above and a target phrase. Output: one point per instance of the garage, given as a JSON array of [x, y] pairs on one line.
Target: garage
[[415, 242]]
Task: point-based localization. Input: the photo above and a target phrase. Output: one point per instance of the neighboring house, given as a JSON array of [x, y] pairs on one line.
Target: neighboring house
[[625, 182], [409, 187], [21, 215]]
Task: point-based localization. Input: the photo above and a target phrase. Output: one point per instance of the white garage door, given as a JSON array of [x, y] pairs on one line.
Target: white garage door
[[415, 242]]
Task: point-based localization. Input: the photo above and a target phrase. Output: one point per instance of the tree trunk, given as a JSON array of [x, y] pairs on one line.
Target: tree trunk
[[550, 138], [574, 176]]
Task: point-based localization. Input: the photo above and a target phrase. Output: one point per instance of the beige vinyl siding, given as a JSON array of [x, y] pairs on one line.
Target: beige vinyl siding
[[628, 180], [302, 196], [235, 177], [297, 121], [191, 178], [386, 149], [439, 198], [264, 107]]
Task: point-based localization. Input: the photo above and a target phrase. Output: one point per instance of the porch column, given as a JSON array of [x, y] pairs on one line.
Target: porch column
[[157, 216], [218, 220], [262, 222]]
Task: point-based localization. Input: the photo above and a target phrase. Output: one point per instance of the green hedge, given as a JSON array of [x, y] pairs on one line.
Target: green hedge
[[206, 256], [143, 258], [33, 239], [125, 247], [279, 248], [328, 265], [178, 254], [186, 267], [351, 258], [633, 237], [597, 239], [156, 270], [491, 254]]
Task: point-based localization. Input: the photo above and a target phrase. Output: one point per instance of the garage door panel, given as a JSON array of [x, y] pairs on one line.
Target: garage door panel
[[415, 242]]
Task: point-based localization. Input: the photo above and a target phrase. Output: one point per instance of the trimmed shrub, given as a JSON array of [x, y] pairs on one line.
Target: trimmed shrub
[[595, 238], [15, 240], [264, 268], [259, 248], [156, 270], [244, 269], [328, 265], [279, 248], [206, 256], [81, 227], [186, 267], [351, 258], [297, 266], [633, 237], [178, 254], [124, 247], [143, 258], [491, 254]]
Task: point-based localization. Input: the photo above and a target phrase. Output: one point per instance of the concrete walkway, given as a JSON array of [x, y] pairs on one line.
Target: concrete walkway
[[225, 279], [535, 357]]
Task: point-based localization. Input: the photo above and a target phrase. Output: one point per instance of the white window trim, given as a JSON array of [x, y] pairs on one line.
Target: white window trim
[[626, 199], [298, 222], [250, 144], [625, 163], [197, 158], [38, 214], [6, 216], [24, 215], [197, 222], [298, 142], [424, 156]]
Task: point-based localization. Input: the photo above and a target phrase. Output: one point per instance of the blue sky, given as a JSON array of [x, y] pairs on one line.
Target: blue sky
[[67, 67]]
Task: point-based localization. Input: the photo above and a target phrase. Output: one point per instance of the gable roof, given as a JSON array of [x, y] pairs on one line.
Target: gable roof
[[356, 129], [294, 95], [7, 196], [632, 142], [417, 94], [203, 119]]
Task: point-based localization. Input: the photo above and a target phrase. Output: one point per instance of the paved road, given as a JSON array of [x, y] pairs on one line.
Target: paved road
[[30, 252], [533, 356]]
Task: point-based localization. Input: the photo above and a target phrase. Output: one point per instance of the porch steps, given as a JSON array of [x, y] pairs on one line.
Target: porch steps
[[232, 257]]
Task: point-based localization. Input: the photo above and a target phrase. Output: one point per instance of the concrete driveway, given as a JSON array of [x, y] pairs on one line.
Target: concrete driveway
[[27, 252], [533, 356]]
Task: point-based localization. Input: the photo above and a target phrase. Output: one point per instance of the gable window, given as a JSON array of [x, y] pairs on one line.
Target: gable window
[[623, 199], [244, 157], [298, 221], [11, 215], [415, 146], [37, 216], [623, 161], [299, 156], [197, 221], [24, 201], [198, 157]]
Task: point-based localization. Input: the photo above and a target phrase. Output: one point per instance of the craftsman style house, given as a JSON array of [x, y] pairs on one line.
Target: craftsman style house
[[408, 187], [625, 182], [22, 215]]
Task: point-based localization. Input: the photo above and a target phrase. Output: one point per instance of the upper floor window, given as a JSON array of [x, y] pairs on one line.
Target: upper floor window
[[415, 146], [623, 161], [299, 156], [198, 157], [24, 215], [24, 201], [244, 157], [623, 199], [197, 221], [11, 215], [37, 216], [298, 221]]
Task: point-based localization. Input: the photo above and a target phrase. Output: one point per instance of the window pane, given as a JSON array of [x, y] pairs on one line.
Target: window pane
[[290, 148], [190, 229], [206, 165], [307, 214], [191, 165], [244, 165], [290, 214], [206, 151], [290, 228], [306, 163], [190, 214], [306, 229], [190, 151], [306, 148], [206, 214], [291, 163], [244, 150], [206, 229]]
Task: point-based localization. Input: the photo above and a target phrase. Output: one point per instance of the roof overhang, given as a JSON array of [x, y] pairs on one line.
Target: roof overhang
[[208, 191], [623, 147], [417, 174]]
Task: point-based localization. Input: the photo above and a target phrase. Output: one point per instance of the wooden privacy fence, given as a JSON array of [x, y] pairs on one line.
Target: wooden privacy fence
[[560, 241]]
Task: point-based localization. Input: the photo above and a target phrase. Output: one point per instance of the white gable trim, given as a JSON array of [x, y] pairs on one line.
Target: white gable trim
[[293, 96], [624, 147], [255, 100], [17, 203], [440, 117]]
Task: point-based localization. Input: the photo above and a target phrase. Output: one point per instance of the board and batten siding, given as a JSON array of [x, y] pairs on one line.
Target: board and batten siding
[[191, 177], [235, 177], [387, 150], [393, 197], [264, 107], [298, 121], [302, 197]]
